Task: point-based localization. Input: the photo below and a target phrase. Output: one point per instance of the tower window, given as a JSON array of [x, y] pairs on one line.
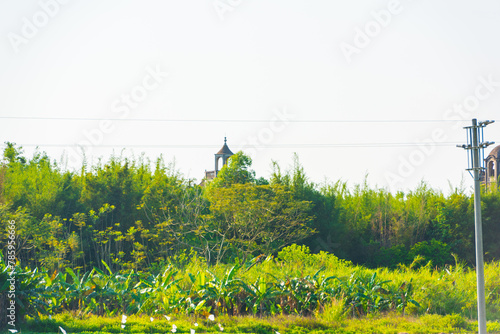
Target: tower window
[[491, 169]]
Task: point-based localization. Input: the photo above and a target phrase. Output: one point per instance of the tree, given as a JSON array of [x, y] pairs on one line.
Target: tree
[[38, 241], [491, 223], [13, 154], [453, 224], [176, 212], [323, 205], [111, 194], [253, 219], [236, 171], [436, 251], [34, 185]]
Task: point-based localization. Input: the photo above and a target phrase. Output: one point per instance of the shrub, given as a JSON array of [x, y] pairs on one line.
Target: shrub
[[333, 311], [436, 251]]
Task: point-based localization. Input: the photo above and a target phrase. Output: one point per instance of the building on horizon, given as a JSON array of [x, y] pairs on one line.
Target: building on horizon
[[220, 157], [490, 175]]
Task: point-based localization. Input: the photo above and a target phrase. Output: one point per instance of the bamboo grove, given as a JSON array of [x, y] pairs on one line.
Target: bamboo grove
[[131, 215]]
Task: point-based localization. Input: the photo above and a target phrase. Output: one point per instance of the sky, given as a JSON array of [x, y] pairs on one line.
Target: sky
[[377, 89]]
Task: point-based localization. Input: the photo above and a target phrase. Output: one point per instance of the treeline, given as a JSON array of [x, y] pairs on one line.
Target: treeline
[[132, 214]]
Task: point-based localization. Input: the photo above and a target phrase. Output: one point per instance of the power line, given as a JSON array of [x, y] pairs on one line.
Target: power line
[[275, 146], [228, 120]]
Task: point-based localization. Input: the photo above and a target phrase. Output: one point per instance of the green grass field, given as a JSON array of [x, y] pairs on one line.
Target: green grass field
[[385, 323]]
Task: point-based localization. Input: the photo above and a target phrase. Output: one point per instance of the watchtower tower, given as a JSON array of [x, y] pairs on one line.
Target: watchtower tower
[[223, 154], [220, 157], [492, 162]]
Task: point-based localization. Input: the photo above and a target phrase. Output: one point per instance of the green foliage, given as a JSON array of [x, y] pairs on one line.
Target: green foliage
[[13, 154], [251, 219], [448, 322], [491, 223], [236, 171], [131, 216], [185, 289], [333, 311], [294, 253], [35, 185], [123, 238], [390, 257], [454, 224], [435, 251]]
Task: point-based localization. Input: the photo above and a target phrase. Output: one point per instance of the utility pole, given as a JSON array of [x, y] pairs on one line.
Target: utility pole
[[475, 146]]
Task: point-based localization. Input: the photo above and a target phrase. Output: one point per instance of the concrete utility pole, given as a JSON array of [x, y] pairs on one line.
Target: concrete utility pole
[[475, 157]]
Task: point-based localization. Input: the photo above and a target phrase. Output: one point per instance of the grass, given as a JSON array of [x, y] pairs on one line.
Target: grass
[[385, 323]]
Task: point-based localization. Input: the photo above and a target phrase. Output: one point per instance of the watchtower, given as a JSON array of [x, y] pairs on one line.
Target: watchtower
[[492, 162], [223, 154]]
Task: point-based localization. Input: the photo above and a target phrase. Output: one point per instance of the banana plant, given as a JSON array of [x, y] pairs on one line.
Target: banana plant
[[161, 291], [373, 296], [78, 291], [262, 296], [53, 284], [303, 295], [365, 293], [127, 285], [31, 295], [403, 296], [222, 293]]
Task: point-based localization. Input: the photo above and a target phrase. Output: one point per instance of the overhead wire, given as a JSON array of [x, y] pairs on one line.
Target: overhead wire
[[230, 120], [274, 146]]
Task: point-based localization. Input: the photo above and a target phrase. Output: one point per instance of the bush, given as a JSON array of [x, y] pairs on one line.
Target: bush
[[448, 322], [436, 251], [333, 311], [301, 256], [390, 257]]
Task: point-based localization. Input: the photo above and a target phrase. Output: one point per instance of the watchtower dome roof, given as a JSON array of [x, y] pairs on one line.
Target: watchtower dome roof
[[225, 149], [495, 152]]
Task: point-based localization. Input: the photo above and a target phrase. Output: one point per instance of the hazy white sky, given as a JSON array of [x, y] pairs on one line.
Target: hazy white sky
[[254, 71]]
